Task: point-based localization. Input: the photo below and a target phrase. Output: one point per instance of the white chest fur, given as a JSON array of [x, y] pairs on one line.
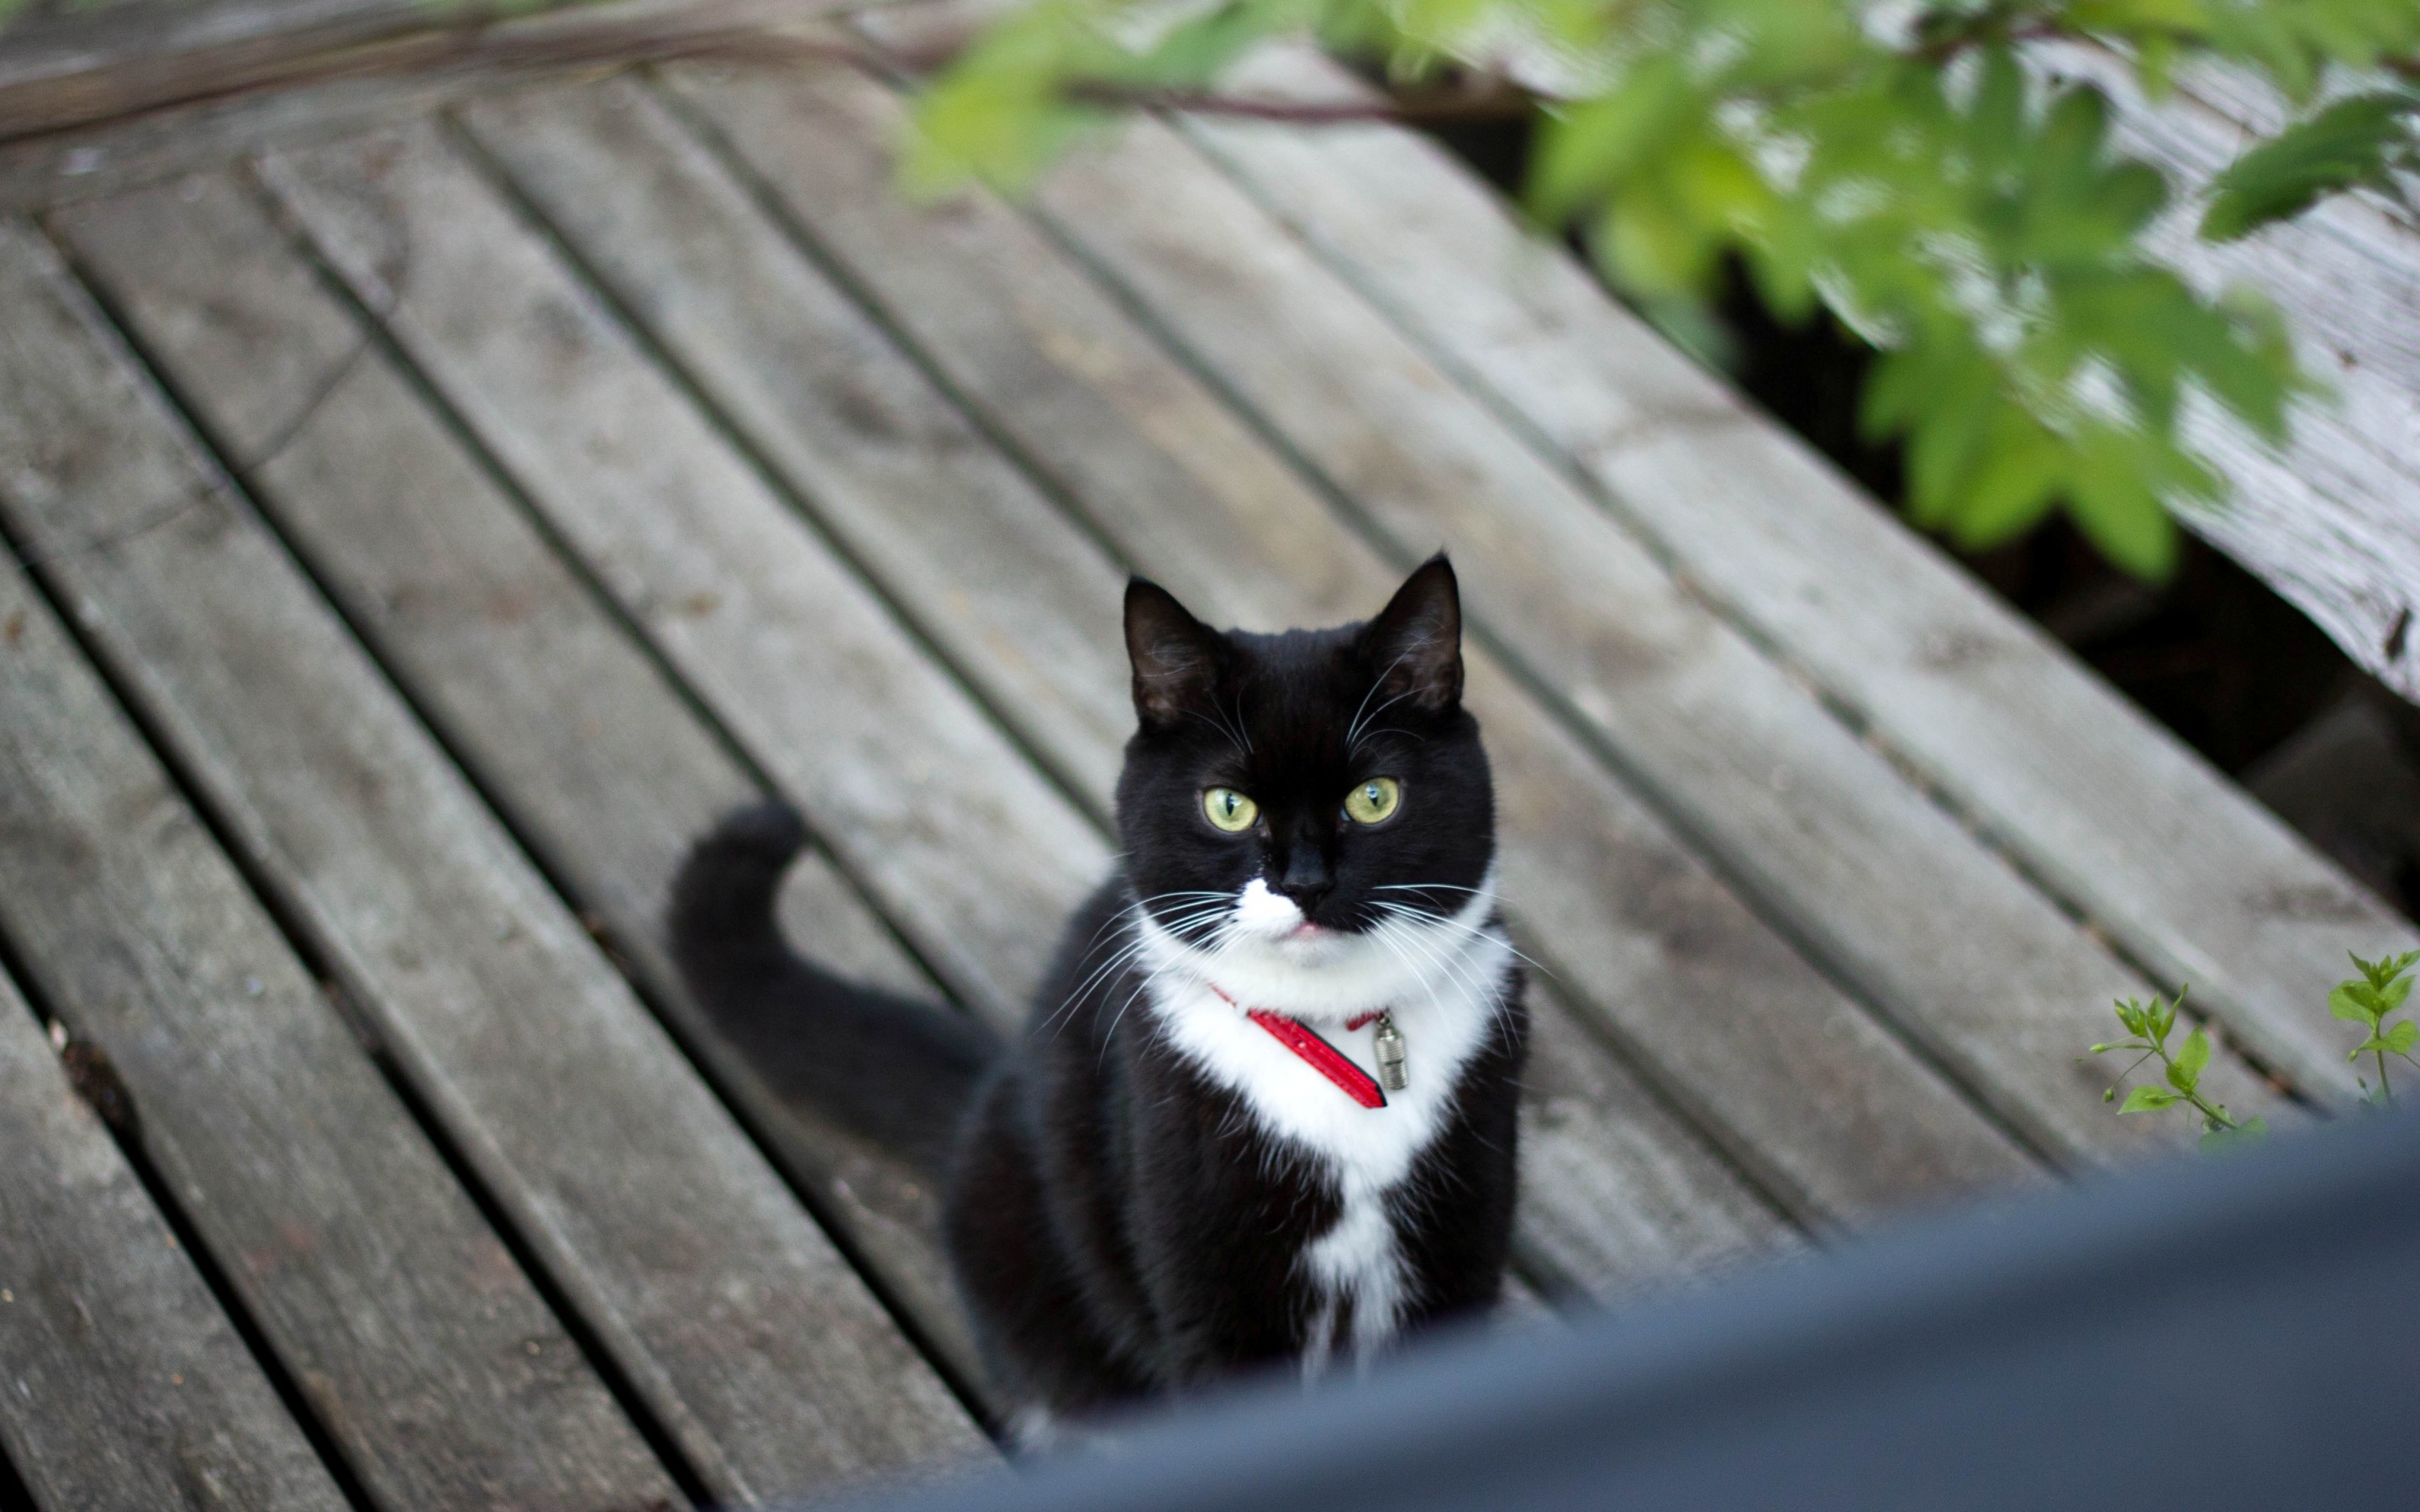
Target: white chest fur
[[1441, 980]]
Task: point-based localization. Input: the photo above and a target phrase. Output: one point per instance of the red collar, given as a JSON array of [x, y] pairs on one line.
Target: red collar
[[1318, 1054]]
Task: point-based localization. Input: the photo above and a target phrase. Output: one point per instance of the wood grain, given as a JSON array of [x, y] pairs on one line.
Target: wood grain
[[64, 166], [2112, 812], [753, 1343], [2330, 519], [74, 68], [124, 1385], [563, 719], [404, 1321], [802, 661], [957, 537], [69, 71]]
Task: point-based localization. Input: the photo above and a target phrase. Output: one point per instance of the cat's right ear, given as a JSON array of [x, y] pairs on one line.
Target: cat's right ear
[[1175, 657]]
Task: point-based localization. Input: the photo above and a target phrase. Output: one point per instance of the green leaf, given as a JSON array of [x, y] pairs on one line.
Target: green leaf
[[2114, 506], [2346, 144], [2015, 481], [2401, 1038], [2164, 1014], [1595, 146], [1956, 415], [2194, 1057], [2150, 1099], [2352, 1002]]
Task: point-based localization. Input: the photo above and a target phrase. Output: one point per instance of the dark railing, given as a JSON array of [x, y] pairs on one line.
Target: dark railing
[[2237, 1333]]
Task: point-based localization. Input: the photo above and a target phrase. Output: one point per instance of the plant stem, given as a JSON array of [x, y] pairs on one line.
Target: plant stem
[[2212, 1112]]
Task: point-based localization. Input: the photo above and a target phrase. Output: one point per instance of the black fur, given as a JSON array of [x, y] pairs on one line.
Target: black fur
[[899, 1071], [1120, 1224]]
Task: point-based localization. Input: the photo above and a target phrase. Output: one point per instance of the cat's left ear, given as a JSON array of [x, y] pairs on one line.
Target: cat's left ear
[[1175, 657], [1416, 640]]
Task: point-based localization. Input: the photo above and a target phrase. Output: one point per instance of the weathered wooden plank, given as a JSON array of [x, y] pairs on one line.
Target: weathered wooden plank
[[2184, 870], [889, 759], [1641, 930], [1620, 1196], [564, 720], [750, 1339], [57, 71], [999, 867], [402, 1320], [111, 157], [2330, 519], [957, 537], [121, 1383], [69, 71]]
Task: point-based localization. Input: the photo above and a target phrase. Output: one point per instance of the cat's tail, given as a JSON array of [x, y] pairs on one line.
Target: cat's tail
[[893, 1069]]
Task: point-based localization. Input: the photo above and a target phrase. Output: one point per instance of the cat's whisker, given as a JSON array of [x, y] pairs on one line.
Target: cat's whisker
[[1136, 945], [1354, 725], [1453, 964], [1453, 922], [1386, 730], [1116, 961], [1468, 935]]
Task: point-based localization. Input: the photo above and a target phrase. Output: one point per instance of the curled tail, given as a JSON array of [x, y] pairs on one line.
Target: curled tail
[[897, 1071]]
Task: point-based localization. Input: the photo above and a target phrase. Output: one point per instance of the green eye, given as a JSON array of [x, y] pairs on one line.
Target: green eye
[[1230, 809], [1374, 800]]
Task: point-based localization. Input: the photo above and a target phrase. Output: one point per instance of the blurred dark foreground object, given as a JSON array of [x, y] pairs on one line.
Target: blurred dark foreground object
[[2238, 1331]]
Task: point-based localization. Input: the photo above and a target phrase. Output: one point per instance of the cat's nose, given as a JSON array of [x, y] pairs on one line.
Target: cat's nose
[[1307, 880]]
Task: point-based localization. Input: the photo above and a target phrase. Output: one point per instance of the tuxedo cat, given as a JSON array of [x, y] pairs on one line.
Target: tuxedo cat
[[1264, 1107]]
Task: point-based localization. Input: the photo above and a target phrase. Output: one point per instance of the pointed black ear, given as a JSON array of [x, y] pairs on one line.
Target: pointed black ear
[[1415, 641], [1175, 657]]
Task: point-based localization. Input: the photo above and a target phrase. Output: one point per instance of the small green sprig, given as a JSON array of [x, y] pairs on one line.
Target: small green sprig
[[2151, 1024], [2370, 1000]]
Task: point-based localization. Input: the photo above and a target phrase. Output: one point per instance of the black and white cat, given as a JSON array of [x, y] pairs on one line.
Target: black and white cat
[[1264, 1109]]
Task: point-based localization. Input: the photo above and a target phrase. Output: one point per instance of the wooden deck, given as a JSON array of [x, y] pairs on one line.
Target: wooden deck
[[426, 506]]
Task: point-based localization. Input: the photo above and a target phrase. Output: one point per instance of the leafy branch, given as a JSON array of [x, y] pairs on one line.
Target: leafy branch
[[1924, 183], [2151, 1024], [2370, 1000]]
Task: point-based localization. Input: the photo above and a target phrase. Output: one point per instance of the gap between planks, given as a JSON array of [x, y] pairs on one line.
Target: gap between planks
[[585, 743], [387, 1299], [124, 1384]]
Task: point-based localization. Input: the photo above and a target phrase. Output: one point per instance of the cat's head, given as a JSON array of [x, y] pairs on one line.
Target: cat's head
[[1301, 798]]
